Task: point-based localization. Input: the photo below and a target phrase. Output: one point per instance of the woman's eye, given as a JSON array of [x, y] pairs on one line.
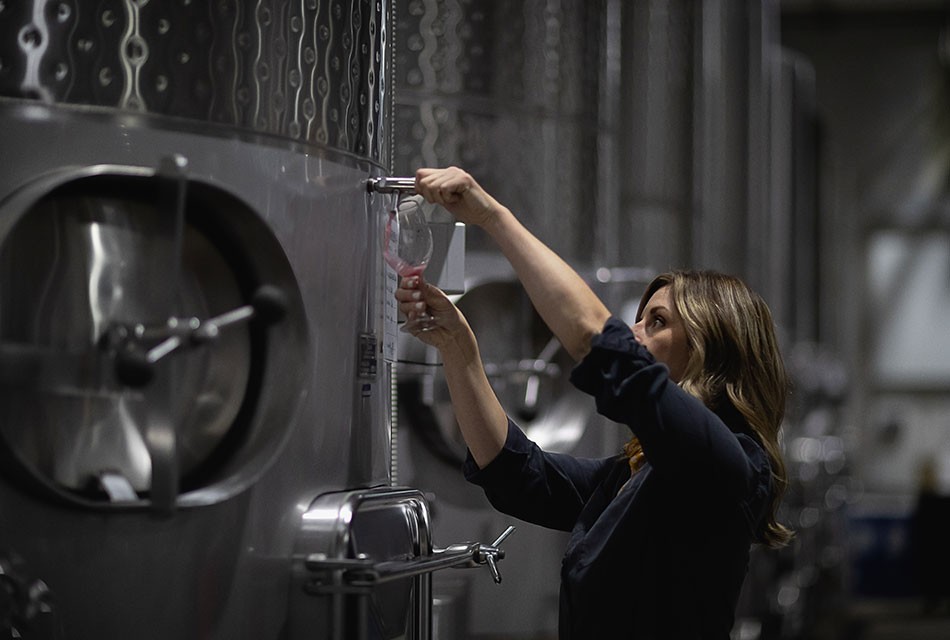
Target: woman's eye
[[657, 321]]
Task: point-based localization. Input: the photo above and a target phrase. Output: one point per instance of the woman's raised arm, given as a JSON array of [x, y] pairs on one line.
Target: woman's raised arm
[[565, 302]]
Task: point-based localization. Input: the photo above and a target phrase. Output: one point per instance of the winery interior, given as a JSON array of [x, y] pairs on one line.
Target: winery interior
[[211, 425]]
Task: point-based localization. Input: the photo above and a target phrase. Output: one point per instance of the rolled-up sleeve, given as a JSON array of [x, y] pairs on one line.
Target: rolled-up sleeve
[[619, 372], [544, 488], [679, 434]]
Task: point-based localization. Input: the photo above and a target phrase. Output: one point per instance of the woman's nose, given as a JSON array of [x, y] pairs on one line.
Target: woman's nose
[[638, 332]]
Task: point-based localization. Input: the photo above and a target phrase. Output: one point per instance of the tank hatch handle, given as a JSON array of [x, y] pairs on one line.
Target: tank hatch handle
[[135, 360], [23, 599]]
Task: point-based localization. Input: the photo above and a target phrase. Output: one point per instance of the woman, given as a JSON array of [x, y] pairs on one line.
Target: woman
[[661, 534]]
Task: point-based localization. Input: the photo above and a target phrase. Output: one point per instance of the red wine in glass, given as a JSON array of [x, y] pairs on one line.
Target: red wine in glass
[[407, 247]]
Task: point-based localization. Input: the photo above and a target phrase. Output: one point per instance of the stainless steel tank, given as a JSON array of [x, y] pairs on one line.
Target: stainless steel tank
[[196, 350], [521, 95]]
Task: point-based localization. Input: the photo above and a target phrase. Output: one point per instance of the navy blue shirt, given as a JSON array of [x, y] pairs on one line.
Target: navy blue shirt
[[666, 556]]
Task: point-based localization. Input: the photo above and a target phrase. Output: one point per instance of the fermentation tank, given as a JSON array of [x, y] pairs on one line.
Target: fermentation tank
[[197, 340]]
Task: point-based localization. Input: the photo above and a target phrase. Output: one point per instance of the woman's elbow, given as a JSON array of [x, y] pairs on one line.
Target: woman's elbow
[[580, 344], [586, 329]]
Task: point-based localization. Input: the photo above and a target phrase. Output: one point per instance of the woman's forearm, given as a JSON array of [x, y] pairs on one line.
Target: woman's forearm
[[564, 300], [480, 416]]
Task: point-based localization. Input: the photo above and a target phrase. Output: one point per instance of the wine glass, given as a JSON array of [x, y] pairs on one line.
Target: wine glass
[[407, 247]]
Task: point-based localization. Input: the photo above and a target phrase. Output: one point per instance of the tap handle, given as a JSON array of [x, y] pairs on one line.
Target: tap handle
[[490, 554], [493, 567], [504, 535]]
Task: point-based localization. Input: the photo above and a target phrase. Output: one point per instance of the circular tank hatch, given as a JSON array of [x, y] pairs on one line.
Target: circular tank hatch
[[135, 314]]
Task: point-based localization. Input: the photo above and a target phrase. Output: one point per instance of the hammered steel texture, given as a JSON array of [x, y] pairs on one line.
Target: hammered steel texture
[[512, 92], [312, 71]]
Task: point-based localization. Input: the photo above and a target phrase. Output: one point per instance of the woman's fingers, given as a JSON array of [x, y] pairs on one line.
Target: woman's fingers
[[457, 191], [410, 297], [443, 186], [415, 296]]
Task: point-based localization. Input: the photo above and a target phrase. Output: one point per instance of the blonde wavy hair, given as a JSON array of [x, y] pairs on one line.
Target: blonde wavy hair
[[734, 356]]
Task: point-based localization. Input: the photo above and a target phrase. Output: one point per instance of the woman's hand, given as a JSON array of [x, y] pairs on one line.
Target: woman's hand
[[458, 192], [450, 329], [561, 296]]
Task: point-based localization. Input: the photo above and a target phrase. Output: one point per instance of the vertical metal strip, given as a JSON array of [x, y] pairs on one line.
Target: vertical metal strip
[[393, 367], [393, 424], [391, 85]]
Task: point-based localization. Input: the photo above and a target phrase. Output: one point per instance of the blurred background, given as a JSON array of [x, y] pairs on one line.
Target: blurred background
[[803, 145]]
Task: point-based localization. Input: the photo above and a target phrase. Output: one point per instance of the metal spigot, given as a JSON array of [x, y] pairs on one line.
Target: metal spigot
[[389, 184], [490, 554]]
